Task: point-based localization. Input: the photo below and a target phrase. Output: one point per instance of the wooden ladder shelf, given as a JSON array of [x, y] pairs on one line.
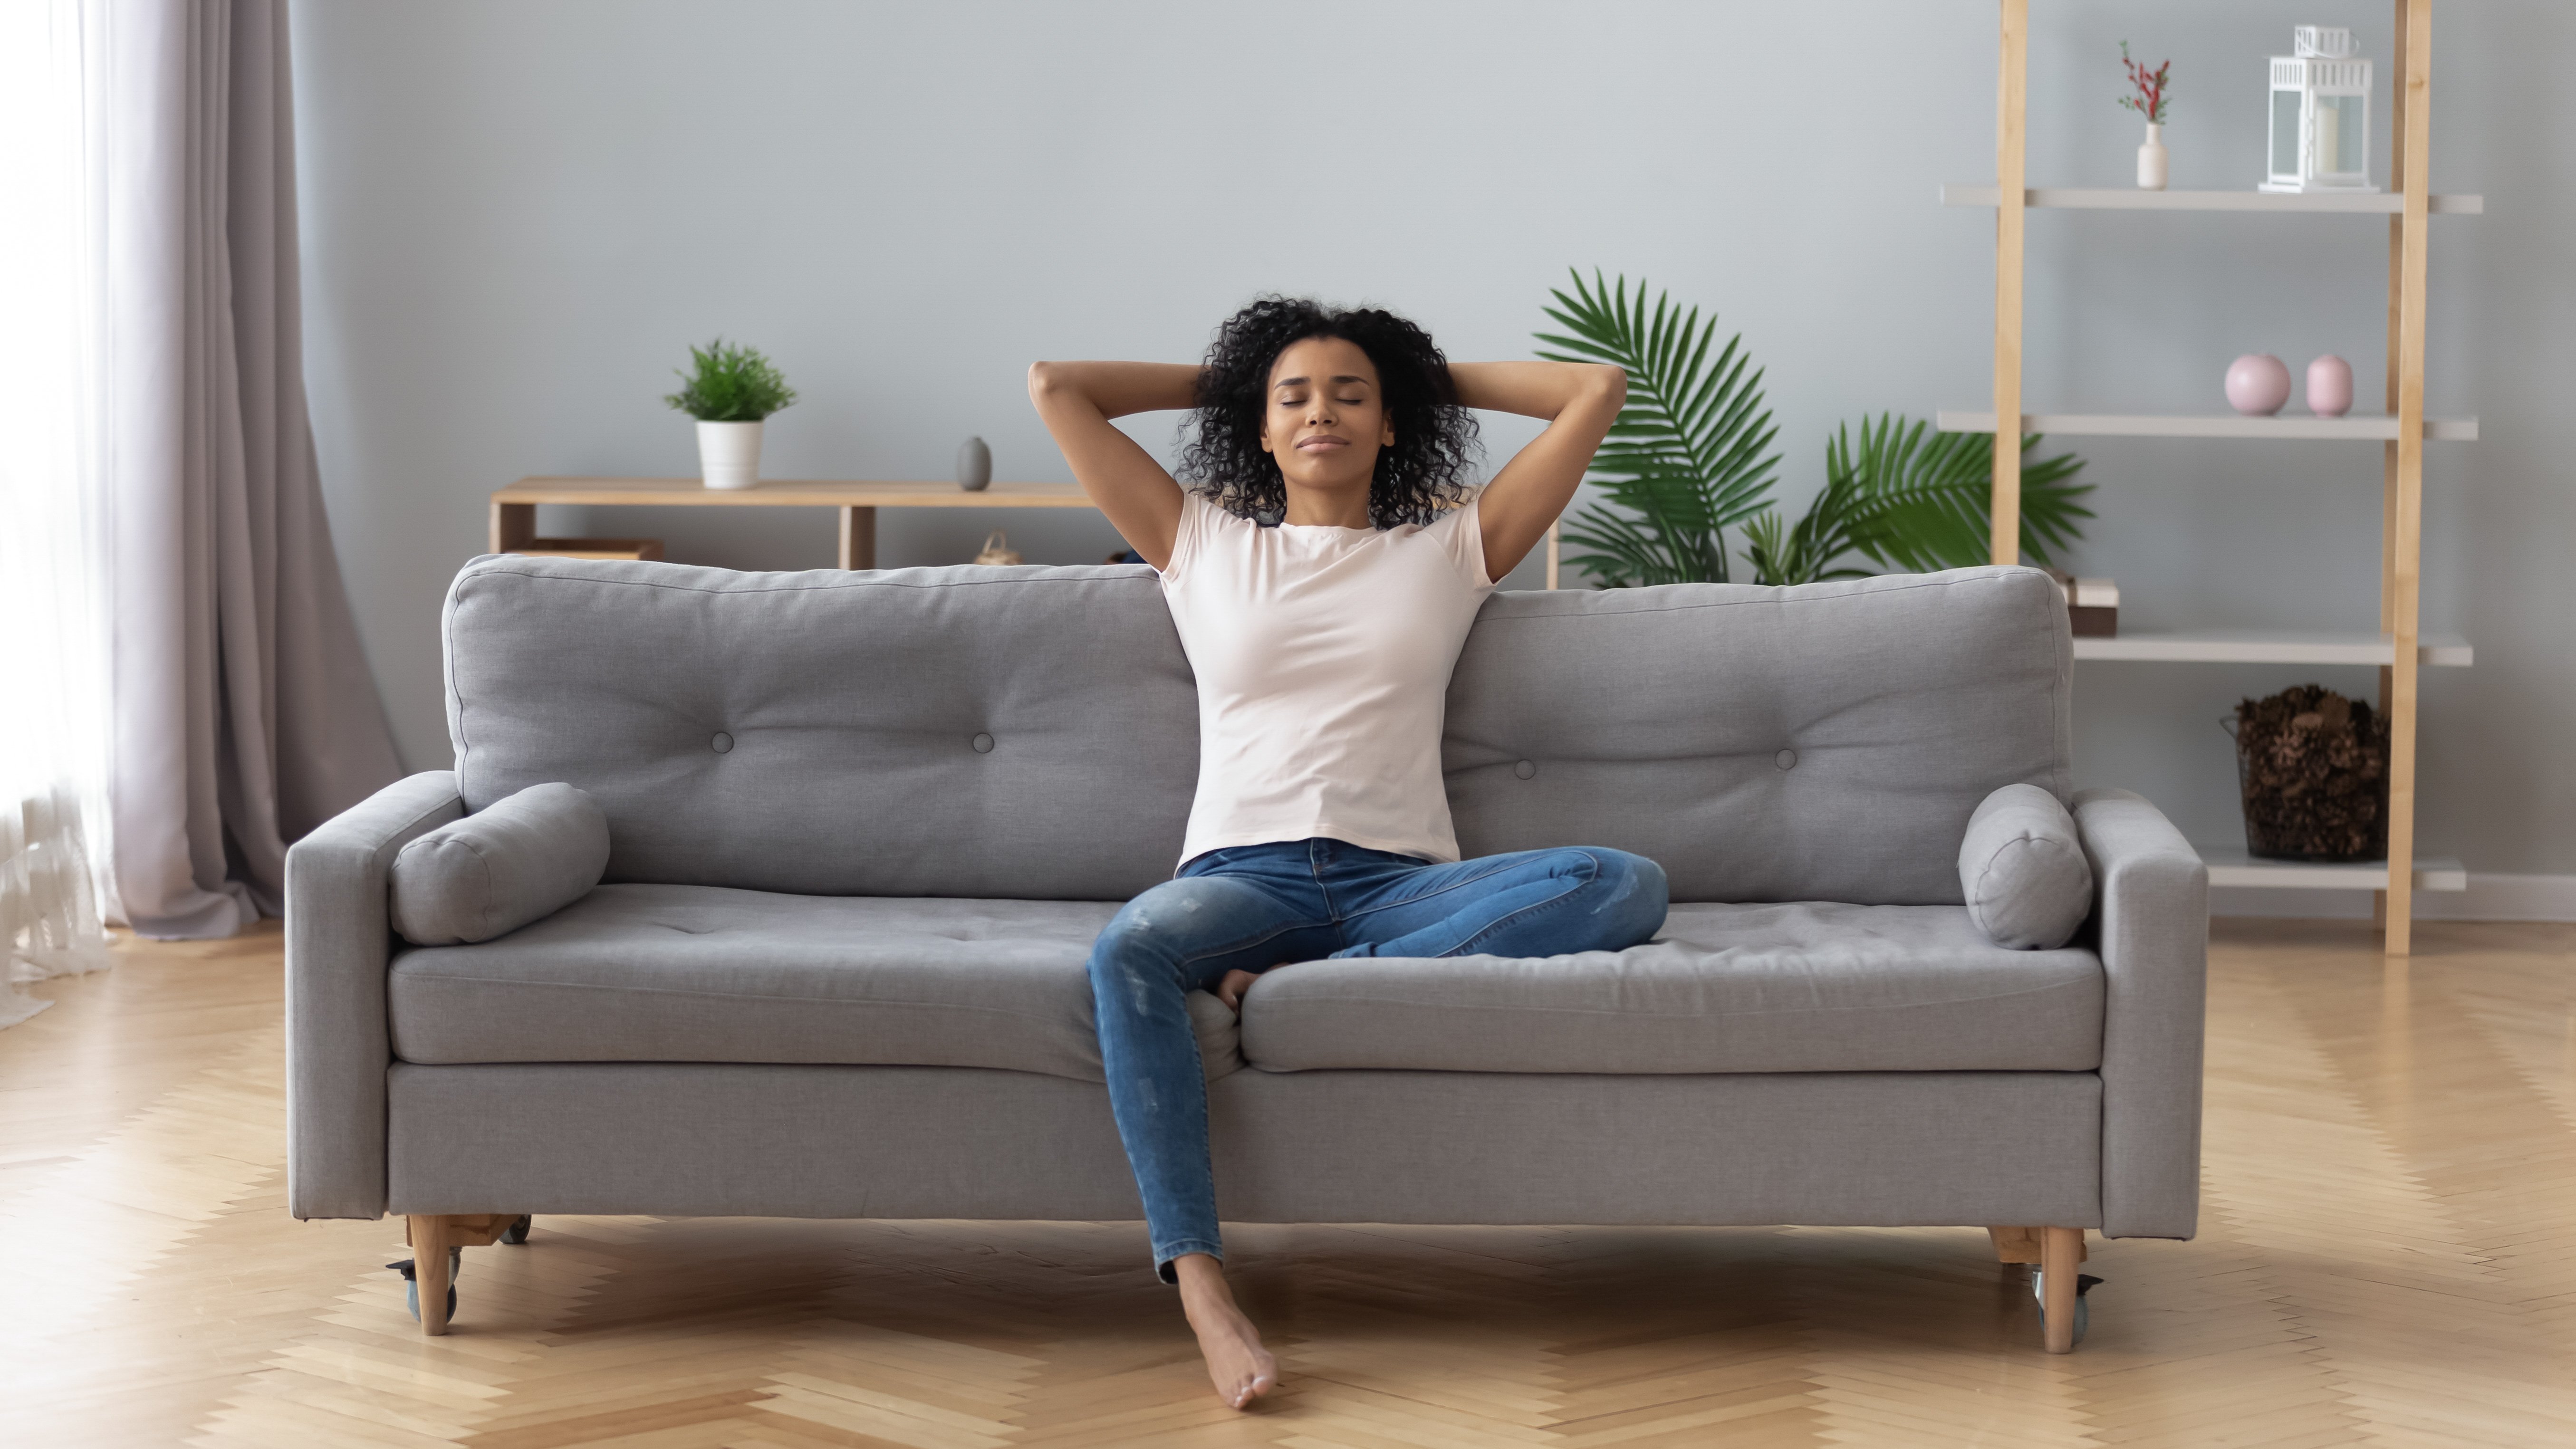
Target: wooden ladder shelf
[[2402, 492]]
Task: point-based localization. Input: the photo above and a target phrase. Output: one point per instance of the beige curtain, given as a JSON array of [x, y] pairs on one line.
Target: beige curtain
[[243, 713]]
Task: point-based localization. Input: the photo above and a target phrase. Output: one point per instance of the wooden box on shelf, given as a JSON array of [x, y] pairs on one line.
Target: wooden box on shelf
[[2092, 605], [636, 548]]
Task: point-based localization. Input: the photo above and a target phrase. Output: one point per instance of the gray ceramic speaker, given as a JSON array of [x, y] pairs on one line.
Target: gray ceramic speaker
[[974, 465]]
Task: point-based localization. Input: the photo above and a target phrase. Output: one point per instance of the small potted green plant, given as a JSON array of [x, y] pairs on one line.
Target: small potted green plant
[[730, 391]]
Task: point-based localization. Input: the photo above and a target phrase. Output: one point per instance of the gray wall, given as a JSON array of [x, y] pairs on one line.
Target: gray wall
[[516, 215]]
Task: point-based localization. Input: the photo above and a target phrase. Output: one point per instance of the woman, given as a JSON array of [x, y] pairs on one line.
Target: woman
[[1322, 565]]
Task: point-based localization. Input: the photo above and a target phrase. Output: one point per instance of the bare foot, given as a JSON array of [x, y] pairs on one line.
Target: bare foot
[[1238, 1365]]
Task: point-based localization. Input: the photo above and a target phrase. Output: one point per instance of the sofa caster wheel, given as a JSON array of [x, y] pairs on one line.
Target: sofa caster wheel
[[411, 1299], [2084, 1285], [411, 1282], [517, 1232]]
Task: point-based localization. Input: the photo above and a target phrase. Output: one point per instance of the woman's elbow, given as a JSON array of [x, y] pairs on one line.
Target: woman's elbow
[[1049, 382], [1607, 382]]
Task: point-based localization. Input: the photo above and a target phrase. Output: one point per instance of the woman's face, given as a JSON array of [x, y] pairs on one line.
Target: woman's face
[[1326, 417]]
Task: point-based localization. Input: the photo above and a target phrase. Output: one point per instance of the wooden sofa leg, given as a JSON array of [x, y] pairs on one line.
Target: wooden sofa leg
[[432, 1235], [2061, 1253], [429, 1244], [2015, 1245]]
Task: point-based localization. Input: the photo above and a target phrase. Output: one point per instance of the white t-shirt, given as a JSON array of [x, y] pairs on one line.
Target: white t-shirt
[[1323, 657]]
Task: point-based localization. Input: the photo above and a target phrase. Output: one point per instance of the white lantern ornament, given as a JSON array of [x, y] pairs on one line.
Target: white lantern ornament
[[2320, 114]]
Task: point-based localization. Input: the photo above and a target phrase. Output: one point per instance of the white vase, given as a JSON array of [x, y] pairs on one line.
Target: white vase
[[729, 454], [2151, 160]]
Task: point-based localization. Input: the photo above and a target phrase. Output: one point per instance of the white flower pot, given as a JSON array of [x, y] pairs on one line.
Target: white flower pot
[[2151, 160], [729, 454]]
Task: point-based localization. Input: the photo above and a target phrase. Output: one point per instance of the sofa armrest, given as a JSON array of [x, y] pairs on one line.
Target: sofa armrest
[[2151, 921], [338, 941]]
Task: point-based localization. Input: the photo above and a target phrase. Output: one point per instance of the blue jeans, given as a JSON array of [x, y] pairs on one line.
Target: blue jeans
[[1252, 907]]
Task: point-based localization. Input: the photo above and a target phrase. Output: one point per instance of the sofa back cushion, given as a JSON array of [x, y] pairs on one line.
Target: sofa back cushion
[[1033, 733], [1025, 733], [1825, 742]]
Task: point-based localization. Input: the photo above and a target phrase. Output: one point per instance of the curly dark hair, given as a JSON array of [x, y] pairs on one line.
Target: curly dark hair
[[1427, 466]]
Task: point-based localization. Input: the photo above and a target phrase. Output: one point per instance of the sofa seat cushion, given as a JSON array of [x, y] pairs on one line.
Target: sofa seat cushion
[[1797, 987], [663, 973]]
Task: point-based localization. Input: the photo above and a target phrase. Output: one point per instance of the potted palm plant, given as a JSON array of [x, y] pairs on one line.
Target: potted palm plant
[[1691, 458], [1910, 500], [730, 391]]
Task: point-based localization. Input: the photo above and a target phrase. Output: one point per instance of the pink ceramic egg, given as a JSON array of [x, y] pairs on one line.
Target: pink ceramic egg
[[2330, 386], [2257, 384]]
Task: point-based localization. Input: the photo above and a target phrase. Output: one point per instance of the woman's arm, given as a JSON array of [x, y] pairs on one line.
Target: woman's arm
[[1580, 400], [1076, 400]]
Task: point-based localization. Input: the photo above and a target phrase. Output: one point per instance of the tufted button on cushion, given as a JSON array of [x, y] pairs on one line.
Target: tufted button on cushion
[[1786, 759], [1524, 769], [722, 744], [983, 744]]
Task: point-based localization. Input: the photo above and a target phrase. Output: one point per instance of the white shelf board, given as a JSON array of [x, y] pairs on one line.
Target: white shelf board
[[2273, 646], [2371, 427], [2230, 865], [2376, 203]]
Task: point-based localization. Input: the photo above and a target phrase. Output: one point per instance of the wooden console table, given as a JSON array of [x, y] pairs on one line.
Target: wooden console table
[[514, 509]]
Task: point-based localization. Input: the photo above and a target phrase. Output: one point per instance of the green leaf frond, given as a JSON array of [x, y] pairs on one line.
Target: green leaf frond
[[1690, 455], [1912, 500]]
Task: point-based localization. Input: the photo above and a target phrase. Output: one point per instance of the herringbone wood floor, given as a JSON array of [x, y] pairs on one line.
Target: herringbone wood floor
[[2387, 1256]]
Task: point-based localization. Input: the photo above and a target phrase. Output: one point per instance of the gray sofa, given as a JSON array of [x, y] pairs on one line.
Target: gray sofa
[[864, 827]]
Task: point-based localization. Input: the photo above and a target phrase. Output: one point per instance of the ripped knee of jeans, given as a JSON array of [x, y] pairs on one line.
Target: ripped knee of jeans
[[1145, 943], [1638, 898]]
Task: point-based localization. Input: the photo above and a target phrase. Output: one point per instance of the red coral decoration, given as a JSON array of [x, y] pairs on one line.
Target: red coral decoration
[[2150, 99]]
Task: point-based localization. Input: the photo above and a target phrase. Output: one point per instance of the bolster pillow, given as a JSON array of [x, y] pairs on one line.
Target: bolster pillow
[[518, 859], [2023, 870]]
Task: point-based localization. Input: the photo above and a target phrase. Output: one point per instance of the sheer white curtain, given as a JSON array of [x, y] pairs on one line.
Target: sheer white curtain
[[182, 690], [53, 677]]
